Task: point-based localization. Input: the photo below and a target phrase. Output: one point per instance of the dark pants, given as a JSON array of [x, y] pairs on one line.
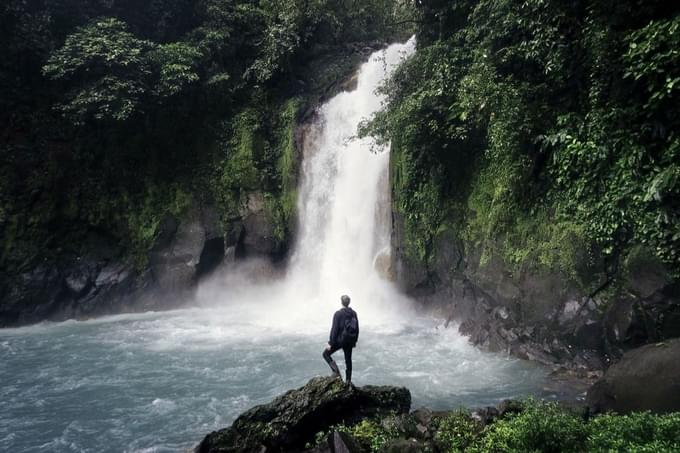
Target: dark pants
[[334, 366]]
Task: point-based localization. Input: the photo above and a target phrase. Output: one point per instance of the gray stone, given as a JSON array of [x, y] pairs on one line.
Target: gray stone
[[174, 259], [258, 236], [569, 311], [79, 279], [112, 274], [646, 378]]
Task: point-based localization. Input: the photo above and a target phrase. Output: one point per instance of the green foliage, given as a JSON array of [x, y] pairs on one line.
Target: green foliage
[[107, 67], [546, 427], [258, 154], [637, 432], [145, 215], [540, 427], [290, 24], [652, 60], [178, 67], [512, 115], [457, 431], [283, 209], [282, 36], [371, 435]]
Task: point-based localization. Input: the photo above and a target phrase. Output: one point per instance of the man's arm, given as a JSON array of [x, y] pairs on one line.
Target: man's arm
[[334, 328]]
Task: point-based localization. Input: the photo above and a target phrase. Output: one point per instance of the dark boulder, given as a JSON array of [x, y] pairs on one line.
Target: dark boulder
[[292, 419], [631, 322], [177, 252], [646, 378]]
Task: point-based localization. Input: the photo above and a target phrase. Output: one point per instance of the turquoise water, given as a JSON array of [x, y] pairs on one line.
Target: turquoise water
[[159, 382]]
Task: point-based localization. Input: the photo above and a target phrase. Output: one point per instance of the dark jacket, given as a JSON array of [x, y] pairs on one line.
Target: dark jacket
[[338, 323]]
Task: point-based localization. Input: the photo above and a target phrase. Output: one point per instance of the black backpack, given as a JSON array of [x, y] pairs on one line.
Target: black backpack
[[350, 331]]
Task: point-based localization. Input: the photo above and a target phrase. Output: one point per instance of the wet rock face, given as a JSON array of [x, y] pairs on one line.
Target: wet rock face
[[257, 236], [646, 378], [292, 419], [186, 248], [176, 255], [540, 314], [105, 282], [88, 286]]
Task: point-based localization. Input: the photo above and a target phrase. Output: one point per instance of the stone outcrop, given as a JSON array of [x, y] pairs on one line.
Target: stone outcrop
[[290, 421], [540, 314], [325, 416], [646, 378], [179, 248], [104, 281]]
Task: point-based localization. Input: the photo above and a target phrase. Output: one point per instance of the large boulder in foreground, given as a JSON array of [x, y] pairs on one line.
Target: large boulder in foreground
[[292, 419], [646, 378]]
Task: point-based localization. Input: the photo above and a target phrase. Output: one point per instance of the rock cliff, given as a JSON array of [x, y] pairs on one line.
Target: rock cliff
[[541, 314]]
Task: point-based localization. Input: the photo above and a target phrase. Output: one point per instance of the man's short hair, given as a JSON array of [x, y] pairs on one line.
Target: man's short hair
[[345, 300]]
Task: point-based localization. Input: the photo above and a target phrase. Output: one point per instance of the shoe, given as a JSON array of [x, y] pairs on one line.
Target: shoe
[[336, 375]]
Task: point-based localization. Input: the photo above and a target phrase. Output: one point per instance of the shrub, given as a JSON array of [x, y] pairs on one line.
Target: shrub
[[457, 431], [540, 427], [637, 432]]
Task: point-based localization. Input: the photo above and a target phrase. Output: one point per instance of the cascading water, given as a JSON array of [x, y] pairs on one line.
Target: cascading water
[[343, 218], [158, 382]]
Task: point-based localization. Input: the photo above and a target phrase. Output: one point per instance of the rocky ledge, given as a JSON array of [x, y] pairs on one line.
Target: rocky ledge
[[326, 416], [291, 421]]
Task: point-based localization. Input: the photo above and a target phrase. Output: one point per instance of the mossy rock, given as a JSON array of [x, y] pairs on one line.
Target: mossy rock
[[292, 419]]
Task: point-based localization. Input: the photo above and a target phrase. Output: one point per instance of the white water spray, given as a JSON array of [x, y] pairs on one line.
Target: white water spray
[[344, 216]]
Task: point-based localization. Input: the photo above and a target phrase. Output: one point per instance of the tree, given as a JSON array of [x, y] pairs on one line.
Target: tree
[[106, 69]]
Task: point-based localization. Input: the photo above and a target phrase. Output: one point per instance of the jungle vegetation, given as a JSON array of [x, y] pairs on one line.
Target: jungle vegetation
[[116, 113], [539, 129]]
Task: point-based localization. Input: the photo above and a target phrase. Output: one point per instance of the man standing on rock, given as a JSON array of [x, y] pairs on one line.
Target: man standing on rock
[[344, 335]]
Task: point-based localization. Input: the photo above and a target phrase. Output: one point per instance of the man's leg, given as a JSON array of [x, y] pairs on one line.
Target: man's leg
[[348, 364], [329, 360]]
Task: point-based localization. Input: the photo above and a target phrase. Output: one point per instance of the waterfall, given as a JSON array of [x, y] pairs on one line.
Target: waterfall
[[343, 240], [343, 205]]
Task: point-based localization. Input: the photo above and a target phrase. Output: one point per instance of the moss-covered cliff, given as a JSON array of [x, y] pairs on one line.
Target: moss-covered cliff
[[535, 173]]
